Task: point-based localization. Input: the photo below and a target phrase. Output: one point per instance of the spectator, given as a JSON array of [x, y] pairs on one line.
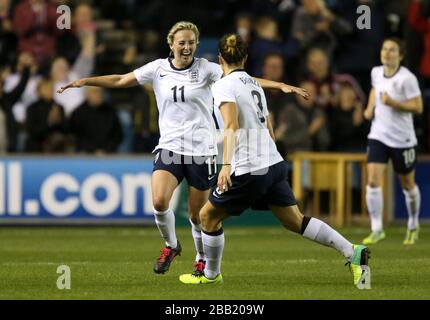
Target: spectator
[[69, 43], [243, 26], [358, 52], [95, 124], [27, 97], [45, 122], [145, 119], [327, 83], [9, 126], [62, 74], [142, 47], [267, 40], [347, 127], [8, 39], [30, 92], [302, 125], [421, 24], [273, 69], [315, 25], [3, 118], [3, 132], [395, 13], [35, 23], [281, 10]]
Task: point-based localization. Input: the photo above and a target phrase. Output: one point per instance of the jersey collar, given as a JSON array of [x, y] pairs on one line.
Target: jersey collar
[[180, 69], [388, 77], [238, 70]]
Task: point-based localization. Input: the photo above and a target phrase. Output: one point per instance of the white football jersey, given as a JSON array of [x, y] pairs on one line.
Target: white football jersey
[[255, 148], [395, 128], [185, 104]]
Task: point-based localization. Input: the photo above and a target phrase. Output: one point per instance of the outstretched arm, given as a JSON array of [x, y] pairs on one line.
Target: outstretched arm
[[269, 84], [112, 81]]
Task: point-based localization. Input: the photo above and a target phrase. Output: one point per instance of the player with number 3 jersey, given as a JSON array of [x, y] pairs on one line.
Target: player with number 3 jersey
[[244, 182]]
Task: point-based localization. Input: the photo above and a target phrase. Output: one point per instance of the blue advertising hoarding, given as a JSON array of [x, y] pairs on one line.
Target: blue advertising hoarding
[[109, 190], [57, 189]]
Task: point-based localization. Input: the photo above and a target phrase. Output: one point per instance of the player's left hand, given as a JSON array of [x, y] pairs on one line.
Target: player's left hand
[[291, 89], [224, 180]]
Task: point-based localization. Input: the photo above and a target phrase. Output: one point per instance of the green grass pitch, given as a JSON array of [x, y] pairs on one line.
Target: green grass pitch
[[259, 263]]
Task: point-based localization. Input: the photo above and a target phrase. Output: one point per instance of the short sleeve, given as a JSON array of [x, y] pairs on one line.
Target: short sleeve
[[373, 76], [265, 109], [411, 87], [222, 92], [215, 71], [146, 73]]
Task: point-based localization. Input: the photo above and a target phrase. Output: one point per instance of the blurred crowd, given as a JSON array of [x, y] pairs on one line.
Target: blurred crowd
[[314, 44]]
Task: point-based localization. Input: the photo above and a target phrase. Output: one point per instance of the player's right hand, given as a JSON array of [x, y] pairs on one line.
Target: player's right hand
[[74, 84], [224, 180]]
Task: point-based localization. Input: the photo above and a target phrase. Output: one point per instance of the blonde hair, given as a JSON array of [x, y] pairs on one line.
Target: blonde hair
[[182, 25]]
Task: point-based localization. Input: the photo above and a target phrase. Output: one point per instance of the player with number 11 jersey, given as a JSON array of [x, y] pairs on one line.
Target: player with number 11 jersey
[[184, 102]]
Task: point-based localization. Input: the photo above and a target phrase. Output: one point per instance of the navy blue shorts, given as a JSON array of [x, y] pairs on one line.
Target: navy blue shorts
[[256, 191], [199, 171], [403, 159]]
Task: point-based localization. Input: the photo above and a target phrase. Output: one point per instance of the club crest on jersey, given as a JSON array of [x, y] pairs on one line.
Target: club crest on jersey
[[194, 75]]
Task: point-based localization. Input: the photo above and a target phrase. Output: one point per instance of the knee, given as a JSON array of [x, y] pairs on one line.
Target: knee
[[160, 203], [194, 213], [194, 208], [407, 185], [295, 225], [204, 218], [373, 183], [291, 218], [194, 219], [374, 179], [208, 223]]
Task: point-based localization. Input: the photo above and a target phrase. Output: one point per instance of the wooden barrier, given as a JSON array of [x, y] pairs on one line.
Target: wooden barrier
[[333, 172]]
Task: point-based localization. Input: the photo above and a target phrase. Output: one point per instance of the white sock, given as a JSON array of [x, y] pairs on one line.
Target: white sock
[[213, 246], [375, 205], [413, 203], [322, 233], [196, 230], [165, 221]]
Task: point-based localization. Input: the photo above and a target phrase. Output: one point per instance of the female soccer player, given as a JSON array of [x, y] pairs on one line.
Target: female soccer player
[[394, 98], [187, 145], [255, 174]]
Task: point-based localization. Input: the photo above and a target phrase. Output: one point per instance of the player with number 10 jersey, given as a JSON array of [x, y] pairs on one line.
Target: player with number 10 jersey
[[394, 98]]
